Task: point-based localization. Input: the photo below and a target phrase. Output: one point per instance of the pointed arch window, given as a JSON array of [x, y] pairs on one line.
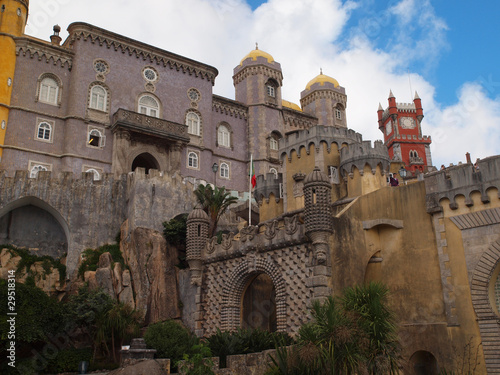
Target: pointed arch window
[[149, 106], [98, 98], [274, 171], [193, 123]]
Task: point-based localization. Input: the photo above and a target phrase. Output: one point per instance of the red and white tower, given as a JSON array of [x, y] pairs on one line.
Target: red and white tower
[[401, 125]]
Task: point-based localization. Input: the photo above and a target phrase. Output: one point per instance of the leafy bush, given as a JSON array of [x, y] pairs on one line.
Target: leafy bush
[[91, 257], [170, 339], [67, 360], [175, 230], [199, 363], [243, 341]]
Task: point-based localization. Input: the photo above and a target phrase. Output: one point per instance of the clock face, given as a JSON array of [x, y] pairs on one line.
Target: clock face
[[407, 122], [150, 74], [100, 67], [388, 128], [193, 95]]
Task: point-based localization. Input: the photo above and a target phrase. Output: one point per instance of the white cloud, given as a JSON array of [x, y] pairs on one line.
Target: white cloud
[[304, 35]]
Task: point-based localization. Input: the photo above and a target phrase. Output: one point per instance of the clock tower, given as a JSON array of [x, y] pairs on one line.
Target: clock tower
[[401, 125]]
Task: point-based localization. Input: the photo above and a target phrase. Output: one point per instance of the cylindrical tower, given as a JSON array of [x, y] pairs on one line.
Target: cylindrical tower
[[13, 17], [317, 212], [197, 235]]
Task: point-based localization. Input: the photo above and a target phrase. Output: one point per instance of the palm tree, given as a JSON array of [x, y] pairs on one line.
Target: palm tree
[[215, 202]]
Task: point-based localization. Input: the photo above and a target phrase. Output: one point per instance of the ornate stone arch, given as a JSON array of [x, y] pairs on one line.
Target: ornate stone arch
[[234, 288], [488, 319], [147, 150]]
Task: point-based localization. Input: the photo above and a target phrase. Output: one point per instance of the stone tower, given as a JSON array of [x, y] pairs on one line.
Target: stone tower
[[258, 80], [325, 99], [196, 238], [13, 17], [401, 125]]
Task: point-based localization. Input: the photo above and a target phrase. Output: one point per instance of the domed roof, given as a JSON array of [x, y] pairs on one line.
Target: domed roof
[[321, 79], [256, 53], [286, 103], [197, 214], [316, 176]]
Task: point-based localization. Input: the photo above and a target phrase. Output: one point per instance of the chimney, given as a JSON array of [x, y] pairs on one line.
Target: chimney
[[56, 39]]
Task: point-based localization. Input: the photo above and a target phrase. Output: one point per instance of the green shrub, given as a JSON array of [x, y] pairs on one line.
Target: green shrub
[[243, 341], [174, 230], [91, 257], [67, 360], [170, 339]]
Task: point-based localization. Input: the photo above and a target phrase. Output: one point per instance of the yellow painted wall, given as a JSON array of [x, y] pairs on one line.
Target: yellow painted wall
[[269, 209], [303, 164]]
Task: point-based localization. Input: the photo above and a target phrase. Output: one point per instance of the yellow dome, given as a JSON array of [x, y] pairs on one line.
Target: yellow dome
[[321, 79], [256, 53], [286, 103]]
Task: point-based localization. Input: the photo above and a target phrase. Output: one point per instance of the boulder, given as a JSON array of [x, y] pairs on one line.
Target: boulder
[[126, 278], [104, 279], [127, 296], [117, 278], [105, 261], [153, 271]]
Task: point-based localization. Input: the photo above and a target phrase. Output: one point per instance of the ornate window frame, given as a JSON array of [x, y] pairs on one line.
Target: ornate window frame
[[105, 101], [35, 166], [51, 128], [95, 170], [225, 169], [193, 159], [93, 133], [58, 87], [147, 108], [199, 129], [220, 135]]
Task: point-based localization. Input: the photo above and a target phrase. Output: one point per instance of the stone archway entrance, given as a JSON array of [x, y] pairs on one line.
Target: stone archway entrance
[[423, 363], [146, 161], [33, 224], [259, 304]]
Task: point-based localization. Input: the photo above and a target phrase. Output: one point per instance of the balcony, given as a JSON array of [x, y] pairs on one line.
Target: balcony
[[416, 160], [149, 126]]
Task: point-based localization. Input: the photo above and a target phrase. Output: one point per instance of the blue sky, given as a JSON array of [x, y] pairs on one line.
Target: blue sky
[[449, 51]]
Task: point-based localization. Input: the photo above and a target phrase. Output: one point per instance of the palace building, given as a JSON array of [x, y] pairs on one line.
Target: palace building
[[103, 134]]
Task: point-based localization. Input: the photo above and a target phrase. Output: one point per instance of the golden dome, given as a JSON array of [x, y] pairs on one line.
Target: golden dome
[[321, 79], [256, 53], [286, 103]]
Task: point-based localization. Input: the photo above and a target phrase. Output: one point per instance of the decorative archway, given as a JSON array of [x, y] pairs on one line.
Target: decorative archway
[[234, 290], [146, 161], [259, 304]]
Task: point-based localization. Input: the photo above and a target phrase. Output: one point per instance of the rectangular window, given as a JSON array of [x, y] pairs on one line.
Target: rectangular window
[[271, 91], [338, 114]]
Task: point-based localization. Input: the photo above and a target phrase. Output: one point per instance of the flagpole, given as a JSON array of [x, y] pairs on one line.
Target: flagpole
[[250, 192]]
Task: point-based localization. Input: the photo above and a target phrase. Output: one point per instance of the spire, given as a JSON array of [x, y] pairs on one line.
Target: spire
[[416, 95], [391, 95], [256, 45], [320, 70], [380, 107]]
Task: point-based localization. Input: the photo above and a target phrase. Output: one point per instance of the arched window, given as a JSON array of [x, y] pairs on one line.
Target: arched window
[[149, 106], [37, 168], [193, 160], [44, 131], [48, 91], [96, 138], [97, 175], [224, 170], [98, 98], [193, 123], [273, 143], [274, 171], [224, 136]]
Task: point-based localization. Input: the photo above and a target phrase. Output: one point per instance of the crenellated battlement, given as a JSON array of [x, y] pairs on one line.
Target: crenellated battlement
[[267, 185], [316, 135], [462, 180], [358, 155], [275, 234]]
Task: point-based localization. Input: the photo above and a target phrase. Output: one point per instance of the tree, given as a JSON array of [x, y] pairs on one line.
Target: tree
[[215, 202]]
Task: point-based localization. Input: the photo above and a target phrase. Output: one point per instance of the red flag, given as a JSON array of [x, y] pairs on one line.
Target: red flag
[[254, 179]]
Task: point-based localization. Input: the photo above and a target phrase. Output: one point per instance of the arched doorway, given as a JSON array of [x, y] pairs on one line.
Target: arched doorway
[[146, 161], [423, 363], [30, 226], [259, 304]]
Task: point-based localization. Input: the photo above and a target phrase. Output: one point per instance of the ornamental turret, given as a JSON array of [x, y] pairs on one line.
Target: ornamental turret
[[317, 213], [196, 239]]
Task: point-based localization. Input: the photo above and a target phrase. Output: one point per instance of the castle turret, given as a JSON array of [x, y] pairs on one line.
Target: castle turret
[[401, 125], [196, 239], [13, 17], [317, 212], [325, 99], [258, 80]]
